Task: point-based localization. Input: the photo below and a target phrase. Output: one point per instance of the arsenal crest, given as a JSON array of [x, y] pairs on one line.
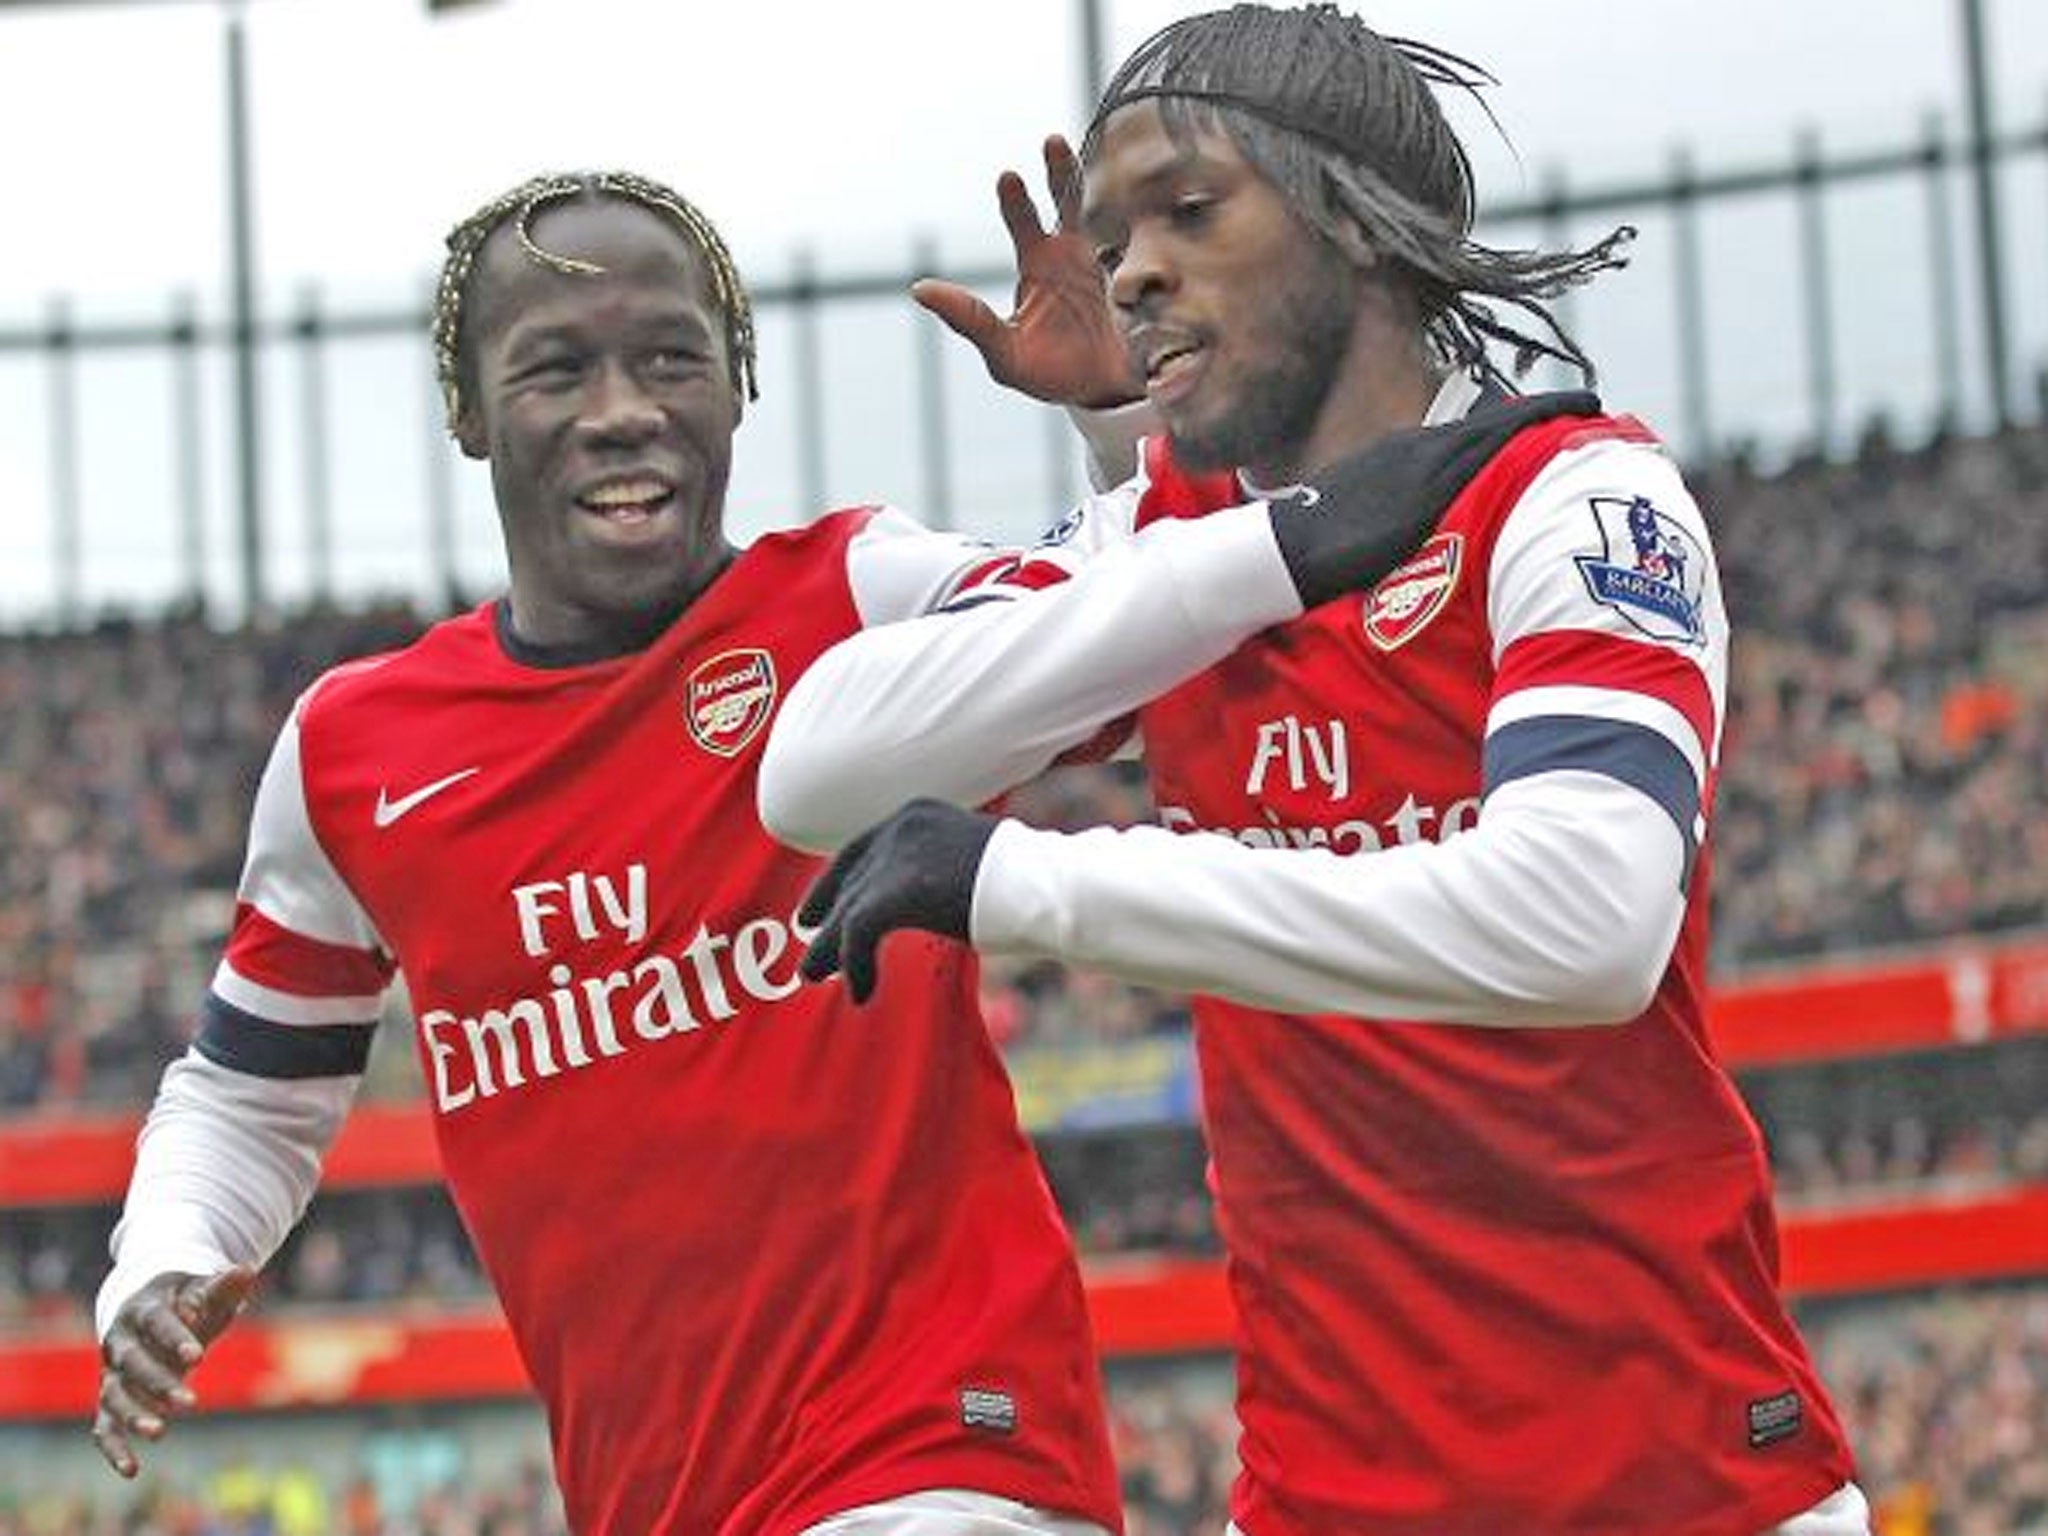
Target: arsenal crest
[[1401, 606], [729, 699]]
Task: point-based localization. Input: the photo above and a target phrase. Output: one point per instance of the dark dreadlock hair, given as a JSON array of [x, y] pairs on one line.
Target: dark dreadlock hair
[[1343, 121], [518, 207]]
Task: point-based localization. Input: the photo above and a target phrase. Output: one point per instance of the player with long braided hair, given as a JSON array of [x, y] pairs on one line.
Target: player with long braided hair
[[1499, 1226]]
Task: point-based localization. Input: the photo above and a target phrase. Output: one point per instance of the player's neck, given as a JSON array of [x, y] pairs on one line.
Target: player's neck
[[1357, 412]]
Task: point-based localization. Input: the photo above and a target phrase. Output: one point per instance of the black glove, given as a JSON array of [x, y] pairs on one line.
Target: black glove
[[1358, 519], [914, 869]]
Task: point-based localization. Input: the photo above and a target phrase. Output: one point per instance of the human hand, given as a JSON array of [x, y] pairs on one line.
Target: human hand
[[913, 869], [158, 1336], [1060, 342], [1355, 521]]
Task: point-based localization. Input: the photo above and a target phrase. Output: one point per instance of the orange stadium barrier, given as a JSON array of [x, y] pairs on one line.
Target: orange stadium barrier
[[1140, 1306], [1963, 995], [1960, 996]]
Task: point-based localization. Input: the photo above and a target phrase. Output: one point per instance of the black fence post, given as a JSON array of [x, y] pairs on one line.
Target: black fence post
[[188, 445], [309, 333], [1556, 227], [810, 385], [66, 512], [931, 396], [242, 289], [1694, 387], [1984, 185], [1943, 300], [1820, 319], [439, 450]]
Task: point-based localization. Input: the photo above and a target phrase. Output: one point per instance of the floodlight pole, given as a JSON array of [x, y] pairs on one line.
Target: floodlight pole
[[242, 328], [1093, 78], [1984, 184]]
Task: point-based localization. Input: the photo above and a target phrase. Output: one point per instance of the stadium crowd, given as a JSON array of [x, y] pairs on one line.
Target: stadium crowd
[[1886, 769], [1886, 757]]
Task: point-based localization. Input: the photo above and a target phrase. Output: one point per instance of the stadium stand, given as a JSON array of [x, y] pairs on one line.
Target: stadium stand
[[1882, 917]]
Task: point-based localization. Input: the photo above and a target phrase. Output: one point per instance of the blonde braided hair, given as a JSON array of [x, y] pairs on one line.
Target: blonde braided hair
[[520, 205]]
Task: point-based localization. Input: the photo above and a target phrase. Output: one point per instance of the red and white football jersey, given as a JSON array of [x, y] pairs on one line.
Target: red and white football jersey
[[1500, 1235], [767, 1256], [1490, 1279]]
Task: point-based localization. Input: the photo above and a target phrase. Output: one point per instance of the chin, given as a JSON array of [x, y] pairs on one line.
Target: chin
[[1202, 451]]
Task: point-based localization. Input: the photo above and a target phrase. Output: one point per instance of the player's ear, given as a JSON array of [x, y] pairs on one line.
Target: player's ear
[[1355, 246], [469, 433]]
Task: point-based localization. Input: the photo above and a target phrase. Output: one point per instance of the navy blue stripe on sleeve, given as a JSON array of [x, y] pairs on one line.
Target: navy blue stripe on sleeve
[[1622, 750], [974, 600], [261, 1048]]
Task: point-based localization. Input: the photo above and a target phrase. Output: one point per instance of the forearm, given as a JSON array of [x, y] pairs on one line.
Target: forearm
[[1559, 908], [964, 706], [223, 1169]]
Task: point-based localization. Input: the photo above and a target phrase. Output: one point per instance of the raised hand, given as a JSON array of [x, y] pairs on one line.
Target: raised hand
[[1060, 342], [158, 1336], [1358, 519], [914, 869]]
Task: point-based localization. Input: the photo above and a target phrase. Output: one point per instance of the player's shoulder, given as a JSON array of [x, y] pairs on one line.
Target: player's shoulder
[[447, 649], [1549, 468], [829, 530], [1562, 448], [1615, 461], [1608, 537]]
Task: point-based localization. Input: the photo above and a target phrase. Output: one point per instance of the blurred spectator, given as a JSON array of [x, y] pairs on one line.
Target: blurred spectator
[[1885, 778], [1885, 764], [130, 752]]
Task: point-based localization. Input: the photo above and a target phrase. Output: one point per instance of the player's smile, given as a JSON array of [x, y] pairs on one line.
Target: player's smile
[[636, 508], [1171, 359]]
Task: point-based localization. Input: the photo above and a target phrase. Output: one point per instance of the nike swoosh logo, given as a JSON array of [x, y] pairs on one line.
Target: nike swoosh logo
[[389, 810]]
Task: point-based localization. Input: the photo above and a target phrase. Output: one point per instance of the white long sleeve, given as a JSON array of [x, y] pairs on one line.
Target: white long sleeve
[[224, 1167], [1559, 907], [967, 705]]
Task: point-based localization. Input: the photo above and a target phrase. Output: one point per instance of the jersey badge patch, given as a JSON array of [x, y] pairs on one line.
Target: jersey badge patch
[[988, 1408], [729, 699], [1401, 606], [1650, 569]]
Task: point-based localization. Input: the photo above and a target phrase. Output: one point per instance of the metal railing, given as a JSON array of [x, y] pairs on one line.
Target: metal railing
[[302, 346]]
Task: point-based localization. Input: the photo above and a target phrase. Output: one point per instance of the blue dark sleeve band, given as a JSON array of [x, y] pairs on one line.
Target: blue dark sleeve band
[[262, 1048], [1633, 754], [974, 600]]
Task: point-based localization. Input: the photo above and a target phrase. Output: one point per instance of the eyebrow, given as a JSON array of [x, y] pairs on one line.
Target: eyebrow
[[569, 333], [1185, 158]]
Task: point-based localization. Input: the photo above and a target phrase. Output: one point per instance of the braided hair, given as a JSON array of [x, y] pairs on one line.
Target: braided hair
[[518, 208], [1343, 121]]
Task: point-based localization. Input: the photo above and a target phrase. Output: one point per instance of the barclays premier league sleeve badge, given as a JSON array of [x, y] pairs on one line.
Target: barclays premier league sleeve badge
[[1651, 569]]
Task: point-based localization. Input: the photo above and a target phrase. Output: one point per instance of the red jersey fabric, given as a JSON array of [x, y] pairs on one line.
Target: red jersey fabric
[[1489, 1280], [766, 1256]]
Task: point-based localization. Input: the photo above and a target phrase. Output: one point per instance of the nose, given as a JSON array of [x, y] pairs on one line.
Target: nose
[[1142, 274], [617, 407]]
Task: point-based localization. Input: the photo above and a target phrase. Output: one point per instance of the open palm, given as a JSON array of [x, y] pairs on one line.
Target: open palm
[[1060, 341]]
